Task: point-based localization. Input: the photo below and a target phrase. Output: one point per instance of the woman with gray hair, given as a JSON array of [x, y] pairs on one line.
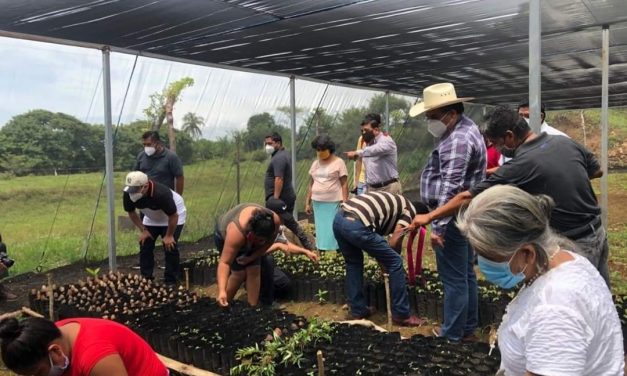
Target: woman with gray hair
[[563, 320]]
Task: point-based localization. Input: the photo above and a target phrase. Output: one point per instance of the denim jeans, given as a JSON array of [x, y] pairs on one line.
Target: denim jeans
[[172, 258], [352, 236], [594, 247], [455, 266]]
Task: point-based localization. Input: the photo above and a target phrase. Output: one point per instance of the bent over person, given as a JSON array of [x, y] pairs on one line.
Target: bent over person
[[361, 224], [164, 215], [76, 347], [243, 235]]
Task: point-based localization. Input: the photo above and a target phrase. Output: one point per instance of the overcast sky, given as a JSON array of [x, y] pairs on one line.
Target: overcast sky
[[67, 79]]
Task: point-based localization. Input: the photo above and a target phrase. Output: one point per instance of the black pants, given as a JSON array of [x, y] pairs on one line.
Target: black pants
[[290, 222], [274, 282], [172, 257]]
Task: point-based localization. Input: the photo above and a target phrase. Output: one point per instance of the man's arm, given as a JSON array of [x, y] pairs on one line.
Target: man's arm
[[233, 242], [396, 240], [278, 186], [168, 239], [134, 217], [447, 210], [385, 146], [180, 184]]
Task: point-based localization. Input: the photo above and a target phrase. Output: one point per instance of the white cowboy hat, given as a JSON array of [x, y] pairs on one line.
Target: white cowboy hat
[[436, 96]]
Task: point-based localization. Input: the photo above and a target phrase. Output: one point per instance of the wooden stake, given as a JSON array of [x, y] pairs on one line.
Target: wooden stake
[[320, 363], [186, 270], [386, 279], [50, 298], [184, 368]]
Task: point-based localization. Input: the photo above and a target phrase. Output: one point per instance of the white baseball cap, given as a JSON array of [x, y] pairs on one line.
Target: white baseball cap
[[134, 181]]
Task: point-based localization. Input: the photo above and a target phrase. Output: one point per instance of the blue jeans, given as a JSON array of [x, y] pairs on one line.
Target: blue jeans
[[352, 236], [455, 266]]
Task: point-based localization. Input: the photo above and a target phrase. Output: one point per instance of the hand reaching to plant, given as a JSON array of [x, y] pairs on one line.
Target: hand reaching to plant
[[144, 236], [222, 300], [312, 256], [168, 243]]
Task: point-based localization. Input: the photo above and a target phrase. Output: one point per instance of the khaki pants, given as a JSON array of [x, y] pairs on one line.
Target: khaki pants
[[395, 188]]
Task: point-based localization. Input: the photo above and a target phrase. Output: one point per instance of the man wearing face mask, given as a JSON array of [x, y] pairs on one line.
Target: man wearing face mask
[[379, 157], [523, 111], [159, 163], [164, 215], [278, 185], [555, 166], [457, 162]]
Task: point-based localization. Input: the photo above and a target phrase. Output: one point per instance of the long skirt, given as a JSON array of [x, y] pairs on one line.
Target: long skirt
[[324, 213]]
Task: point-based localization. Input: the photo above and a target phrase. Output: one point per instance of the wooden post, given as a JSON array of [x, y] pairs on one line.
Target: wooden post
[[186, 270], [386, 279], [50, 298], [320, 363]]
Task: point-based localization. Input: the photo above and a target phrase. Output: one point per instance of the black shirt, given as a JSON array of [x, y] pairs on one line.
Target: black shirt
[[381, 210], [159, 197], [280, 166], [162, 167], [557, 167]]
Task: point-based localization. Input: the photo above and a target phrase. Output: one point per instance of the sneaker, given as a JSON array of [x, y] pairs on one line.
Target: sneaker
[[369, 312], [410, 321]]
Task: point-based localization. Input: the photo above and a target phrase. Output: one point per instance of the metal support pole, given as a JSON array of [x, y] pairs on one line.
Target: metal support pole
[[293, 124], [387, 111], [605, 72], [106, 88], [535, 34]]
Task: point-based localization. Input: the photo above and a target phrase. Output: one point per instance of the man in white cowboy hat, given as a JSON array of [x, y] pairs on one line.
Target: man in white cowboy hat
[[457, 162]]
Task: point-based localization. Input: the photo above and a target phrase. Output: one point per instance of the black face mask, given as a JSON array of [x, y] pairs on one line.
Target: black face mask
[[368, 136], [506, 152]]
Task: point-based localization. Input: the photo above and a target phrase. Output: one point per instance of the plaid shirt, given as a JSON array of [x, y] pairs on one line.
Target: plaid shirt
[[457, 163]]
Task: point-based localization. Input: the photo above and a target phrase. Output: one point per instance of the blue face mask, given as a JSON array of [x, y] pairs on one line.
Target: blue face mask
[[500, 273]]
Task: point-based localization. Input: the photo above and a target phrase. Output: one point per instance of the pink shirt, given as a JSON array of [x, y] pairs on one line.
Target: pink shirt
[[326, 180]]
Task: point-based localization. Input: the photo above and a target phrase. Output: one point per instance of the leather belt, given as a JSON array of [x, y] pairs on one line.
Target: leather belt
[[585, 230], [383, 184]]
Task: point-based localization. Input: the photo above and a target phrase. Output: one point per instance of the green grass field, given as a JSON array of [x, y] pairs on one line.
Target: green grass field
[[54, 213]]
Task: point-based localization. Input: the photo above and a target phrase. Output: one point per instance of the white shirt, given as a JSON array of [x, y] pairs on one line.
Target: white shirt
[[545, 128], [159, 218], [565, 323]]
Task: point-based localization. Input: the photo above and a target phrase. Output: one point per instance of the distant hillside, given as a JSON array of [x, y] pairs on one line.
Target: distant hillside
[[584, 127]]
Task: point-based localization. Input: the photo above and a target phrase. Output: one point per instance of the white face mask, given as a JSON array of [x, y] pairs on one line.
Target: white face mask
[[58, 370], [135, 196], [269, 149], [150, 150], [526, 119], [436, 127]]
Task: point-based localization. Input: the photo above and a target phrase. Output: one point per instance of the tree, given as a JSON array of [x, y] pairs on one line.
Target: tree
[[41, 141], [257, 128], [162, 106], [192, 124]]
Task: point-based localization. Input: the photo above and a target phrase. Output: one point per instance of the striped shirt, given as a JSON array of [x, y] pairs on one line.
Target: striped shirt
[[457, 163], [382, 211]]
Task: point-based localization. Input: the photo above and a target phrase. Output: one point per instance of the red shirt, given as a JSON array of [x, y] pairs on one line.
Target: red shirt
[[493, 157], [98, 338]]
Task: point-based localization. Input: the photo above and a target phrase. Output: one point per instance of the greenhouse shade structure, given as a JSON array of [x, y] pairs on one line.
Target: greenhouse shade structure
[[490, 49]]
